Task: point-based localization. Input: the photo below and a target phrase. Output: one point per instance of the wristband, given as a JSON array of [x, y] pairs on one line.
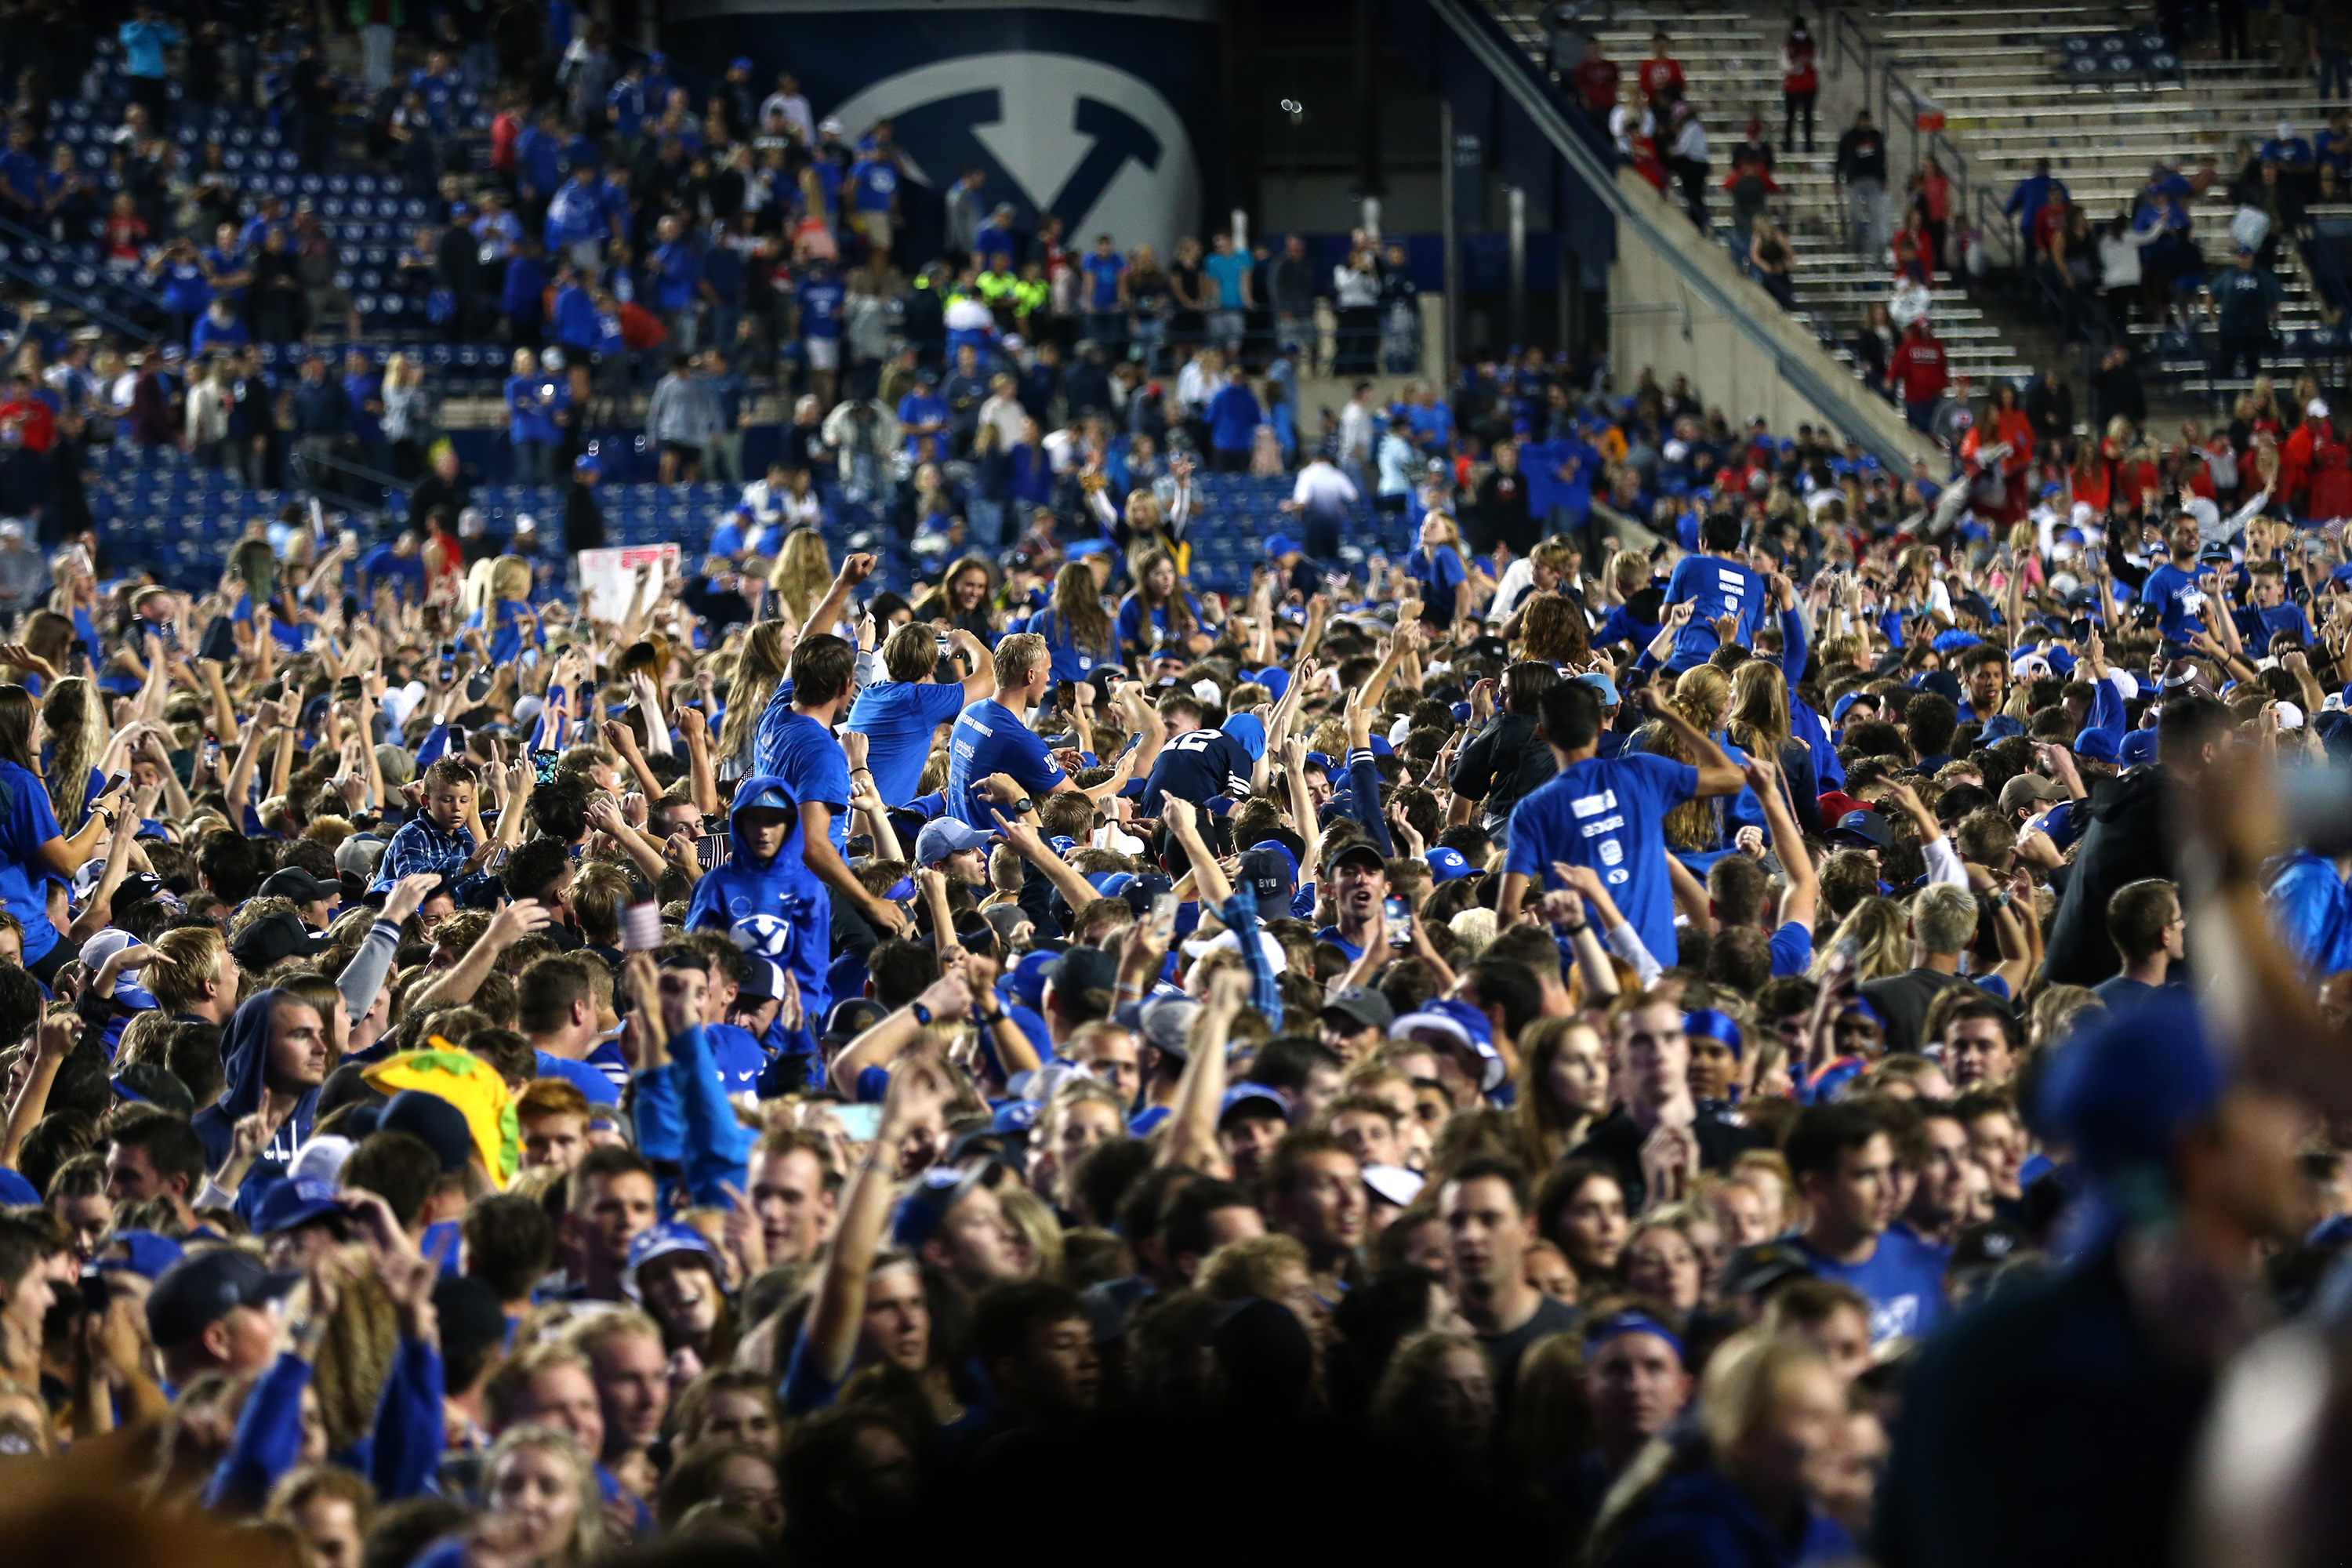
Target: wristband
[[991, 1018], [922, 1014]]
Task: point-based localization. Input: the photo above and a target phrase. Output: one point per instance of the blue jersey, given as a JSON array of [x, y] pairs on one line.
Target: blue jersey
[[897, 717], [1902, 1281], [2177, 600], [1609, 814], [990, 738], [1713, 587], [1102, 273], [1197, 766], [820, 301], [876, 183], [798, 749]]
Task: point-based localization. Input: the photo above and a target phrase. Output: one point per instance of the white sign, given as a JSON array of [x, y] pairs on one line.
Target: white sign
[[608, 578]]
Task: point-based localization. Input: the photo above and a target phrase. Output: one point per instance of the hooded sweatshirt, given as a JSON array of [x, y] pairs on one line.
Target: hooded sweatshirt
[[245, 1054], [773, 908]]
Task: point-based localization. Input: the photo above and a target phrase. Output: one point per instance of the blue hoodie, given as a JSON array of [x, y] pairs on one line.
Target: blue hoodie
[[245, 1054], [797, 930]]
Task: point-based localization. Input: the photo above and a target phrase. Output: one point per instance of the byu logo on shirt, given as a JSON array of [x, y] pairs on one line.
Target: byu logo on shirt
[[1072, 136]]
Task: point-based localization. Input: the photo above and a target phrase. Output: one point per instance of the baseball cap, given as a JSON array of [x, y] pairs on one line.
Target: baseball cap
[[1083, 969], [2138, 749], [933, 1197], [586, 463], [359, 854], [851, 1017], [665, 1240], [1280, 544], [295, 883], [1446, 863], [2098, 744], [1760, 1266], [198, 1291], [1362, 1006], [1604, 685], [1271, 871], [2123, 1092], [146, 1253], [1026, 983], [105, 945], [946, 837], [1458, 1023], [1253, 1100], [1395, 1184], [1867, 829], [1838, 708], [295, 1202], [764, 984], [2029, 789], [1166, 1022], [440, 1124], [273, 937], [1360, 850]]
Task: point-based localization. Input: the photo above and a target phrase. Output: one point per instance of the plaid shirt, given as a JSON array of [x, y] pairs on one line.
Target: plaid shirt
[[424, 848]]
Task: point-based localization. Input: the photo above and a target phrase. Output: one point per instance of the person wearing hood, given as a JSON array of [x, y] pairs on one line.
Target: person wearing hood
[[2128, 839], [765, 897], [275, 1054]]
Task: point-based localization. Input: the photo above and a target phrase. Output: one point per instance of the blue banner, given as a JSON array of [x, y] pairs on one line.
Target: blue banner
[[1102, 112]]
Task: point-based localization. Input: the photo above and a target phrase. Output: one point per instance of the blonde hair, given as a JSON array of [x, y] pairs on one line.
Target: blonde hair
[[802, 574], [588, 1509], [1701, 696], [1877, 927], [760, 664], [1759, 708], [1251, 1267], [75, 717], [509, 578]]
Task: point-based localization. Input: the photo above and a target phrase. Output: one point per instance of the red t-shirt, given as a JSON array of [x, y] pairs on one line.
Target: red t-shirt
[[1918, 367], [1657, 76], [1597, 80], [1798, 74]]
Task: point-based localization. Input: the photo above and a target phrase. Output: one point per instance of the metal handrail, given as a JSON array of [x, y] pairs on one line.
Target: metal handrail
[[1547, 109], [298, 464], [77, 298], [1847, 37], [34, 237]]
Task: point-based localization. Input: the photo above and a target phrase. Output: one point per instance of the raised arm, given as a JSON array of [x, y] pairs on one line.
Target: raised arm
[[1803, 896], [839, 1308]]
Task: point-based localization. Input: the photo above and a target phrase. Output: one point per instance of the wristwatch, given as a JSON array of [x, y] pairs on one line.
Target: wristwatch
[[922, 1014], [991, 1018], [1023, 805]]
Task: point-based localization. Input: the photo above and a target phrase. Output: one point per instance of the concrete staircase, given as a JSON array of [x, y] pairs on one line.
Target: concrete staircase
[[1995, 70], [1731, 66]]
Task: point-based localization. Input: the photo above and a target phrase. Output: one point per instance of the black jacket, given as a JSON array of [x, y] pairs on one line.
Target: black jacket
[[583, 520], [1616, 1142], [1503, 765], [2126, 841]]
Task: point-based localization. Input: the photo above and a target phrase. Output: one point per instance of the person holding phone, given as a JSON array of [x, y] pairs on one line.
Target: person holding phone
[[34, 849]]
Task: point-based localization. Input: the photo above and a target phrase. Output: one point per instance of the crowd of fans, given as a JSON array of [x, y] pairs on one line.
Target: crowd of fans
[[1651, 1025]]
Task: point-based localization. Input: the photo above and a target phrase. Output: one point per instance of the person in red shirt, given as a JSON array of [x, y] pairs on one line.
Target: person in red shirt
[[1662, 76], [1913, 255], [1596, 77], [1800, 84], [36, 426], [2331, 471], [1921, 372]]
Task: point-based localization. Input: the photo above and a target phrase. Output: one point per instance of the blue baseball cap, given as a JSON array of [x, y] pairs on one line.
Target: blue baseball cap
[[741, 63], [1026, 983], [1271, 870], [1447, 863], [1459, 1025], [933, 1197], [2123, 1092], [1274, 678], [295, 1202], [666, 1240], [944, 837], [1079, 549], [1249, 730], [586, 463], [2099, 744], [146, 1253], [2138, 749], [1867, 826], [1617, 1325], [1604, 685], [1838, 708], [1258, 1099], [1281, 544]]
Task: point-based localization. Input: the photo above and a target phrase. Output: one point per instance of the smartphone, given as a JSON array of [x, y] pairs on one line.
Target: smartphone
[[116, 782], [1163, 916], [543, 762], [97, 1292], [448, 662], [1397, 915], [478, 687], [348, 689], [860, 1121], [641, 928]]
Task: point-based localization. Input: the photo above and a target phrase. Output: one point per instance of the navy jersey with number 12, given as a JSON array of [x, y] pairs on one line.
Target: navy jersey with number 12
[[1198, 766]]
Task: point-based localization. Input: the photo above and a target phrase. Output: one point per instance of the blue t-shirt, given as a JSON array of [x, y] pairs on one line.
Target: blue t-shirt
[[877, 181], [1233, 418], [27, 822], [820, 300], [1438, 573], [2177, 600], [897, 717], [736, 1052], [805, 753], [1608, 815], [990, 738], [680, 270], [1713, 587], [1227, 272], [2258, 626], [1195, 766], [1902, 1281], [1104, 271]]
